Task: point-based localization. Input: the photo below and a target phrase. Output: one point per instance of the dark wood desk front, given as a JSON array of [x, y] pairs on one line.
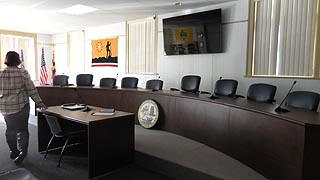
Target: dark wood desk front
[[110, 138], [279, 146]]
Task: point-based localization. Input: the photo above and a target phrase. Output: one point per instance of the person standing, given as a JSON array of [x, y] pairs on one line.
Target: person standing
[[15, 89]]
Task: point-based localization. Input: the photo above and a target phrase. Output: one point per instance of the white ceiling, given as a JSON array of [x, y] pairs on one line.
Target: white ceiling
[[40, 16]]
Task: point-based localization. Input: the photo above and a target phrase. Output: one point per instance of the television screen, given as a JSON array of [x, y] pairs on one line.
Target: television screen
[[193, 34]]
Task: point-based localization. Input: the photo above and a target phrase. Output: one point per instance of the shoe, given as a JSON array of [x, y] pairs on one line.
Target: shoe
[[12, 143], [18, 160], [13, 154], [23, 141]]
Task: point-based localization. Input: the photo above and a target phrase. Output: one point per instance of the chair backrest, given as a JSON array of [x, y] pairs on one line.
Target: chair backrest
[[84, 79], [226, 87], [129, 82], [108, 82], [261, 92], [190, 83], [61, 80], [154, 84], [54, 125], [303, 99]]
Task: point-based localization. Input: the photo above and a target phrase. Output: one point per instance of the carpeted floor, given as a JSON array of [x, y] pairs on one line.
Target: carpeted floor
[[72, 168]]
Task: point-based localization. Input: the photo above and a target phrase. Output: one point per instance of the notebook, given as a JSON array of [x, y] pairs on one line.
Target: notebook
[[73, 106], [104, 112]]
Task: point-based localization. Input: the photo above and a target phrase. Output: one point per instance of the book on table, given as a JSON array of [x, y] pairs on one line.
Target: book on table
[[73, 106], [104, 112]]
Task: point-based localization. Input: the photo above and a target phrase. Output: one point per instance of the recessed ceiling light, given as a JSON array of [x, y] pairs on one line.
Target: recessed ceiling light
[[77, 10], [178, 4]]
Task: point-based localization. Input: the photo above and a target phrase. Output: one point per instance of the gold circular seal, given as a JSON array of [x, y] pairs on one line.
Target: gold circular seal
[[148, 114]]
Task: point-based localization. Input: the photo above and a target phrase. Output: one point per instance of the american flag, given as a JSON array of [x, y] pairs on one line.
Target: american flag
[[43, 70]]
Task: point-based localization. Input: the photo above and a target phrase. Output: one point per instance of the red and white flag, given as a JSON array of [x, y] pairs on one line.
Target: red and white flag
[[43, 70]]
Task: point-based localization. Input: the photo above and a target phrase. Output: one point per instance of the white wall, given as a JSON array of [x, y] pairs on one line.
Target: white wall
[[101, 32], [45, 42], [210, 66], [94, 33], [61, 50], [230, 64]]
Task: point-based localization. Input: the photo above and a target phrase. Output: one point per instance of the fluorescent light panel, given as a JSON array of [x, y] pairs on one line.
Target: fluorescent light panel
[[77, 10]]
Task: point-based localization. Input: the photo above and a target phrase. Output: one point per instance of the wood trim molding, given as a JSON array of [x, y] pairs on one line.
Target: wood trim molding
[[316, 60], [250, 45]]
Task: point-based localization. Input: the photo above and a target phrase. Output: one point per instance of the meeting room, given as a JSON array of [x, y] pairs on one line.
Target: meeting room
[[159, 90]]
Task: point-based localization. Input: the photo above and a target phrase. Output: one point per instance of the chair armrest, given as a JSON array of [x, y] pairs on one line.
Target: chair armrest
[[213, 97], [239, 96], [271, 100], [204, 92], [235, 96], [174, 89]]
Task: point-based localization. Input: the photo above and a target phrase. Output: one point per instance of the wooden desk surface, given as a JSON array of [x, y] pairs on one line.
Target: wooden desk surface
[[83, 117], [296, 115], [110, 139]]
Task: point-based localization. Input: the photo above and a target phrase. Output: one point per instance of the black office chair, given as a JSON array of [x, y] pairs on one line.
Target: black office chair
[[84, 79], [60, 80], [129, 82], [262, 92], [303, 99], [58, 132], [108, 82], [154, 84], [189, 83], [226, 87]]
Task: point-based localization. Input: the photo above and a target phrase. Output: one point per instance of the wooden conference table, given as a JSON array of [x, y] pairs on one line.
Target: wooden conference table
[[110, 138], [279, 146]]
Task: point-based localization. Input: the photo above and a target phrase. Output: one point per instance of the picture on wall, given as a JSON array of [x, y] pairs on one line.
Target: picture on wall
[[184, 35], [105, 52]]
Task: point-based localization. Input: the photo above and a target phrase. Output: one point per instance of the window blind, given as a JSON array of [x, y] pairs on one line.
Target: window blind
[[284, 37], [142, 49]]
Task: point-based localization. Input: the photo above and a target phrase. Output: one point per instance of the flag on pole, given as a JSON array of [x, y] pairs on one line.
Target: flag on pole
[[21, 59], [53, 68], [43, 70]]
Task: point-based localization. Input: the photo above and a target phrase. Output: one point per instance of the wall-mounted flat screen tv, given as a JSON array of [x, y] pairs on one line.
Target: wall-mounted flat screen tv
[[196, 33]]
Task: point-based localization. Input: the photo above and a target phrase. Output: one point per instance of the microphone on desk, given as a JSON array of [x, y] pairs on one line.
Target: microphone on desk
[[281, 110], [82, 101], [213, 95]]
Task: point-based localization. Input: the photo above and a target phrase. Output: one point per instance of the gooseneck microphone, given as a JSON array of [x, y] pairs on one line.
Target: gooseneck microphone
[[82, 101], [213, 95], [281, 110]]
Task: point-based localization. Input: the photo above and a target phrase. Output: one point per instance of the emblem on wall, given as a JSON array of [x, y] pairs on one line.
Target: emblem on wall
[[148, 114]]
